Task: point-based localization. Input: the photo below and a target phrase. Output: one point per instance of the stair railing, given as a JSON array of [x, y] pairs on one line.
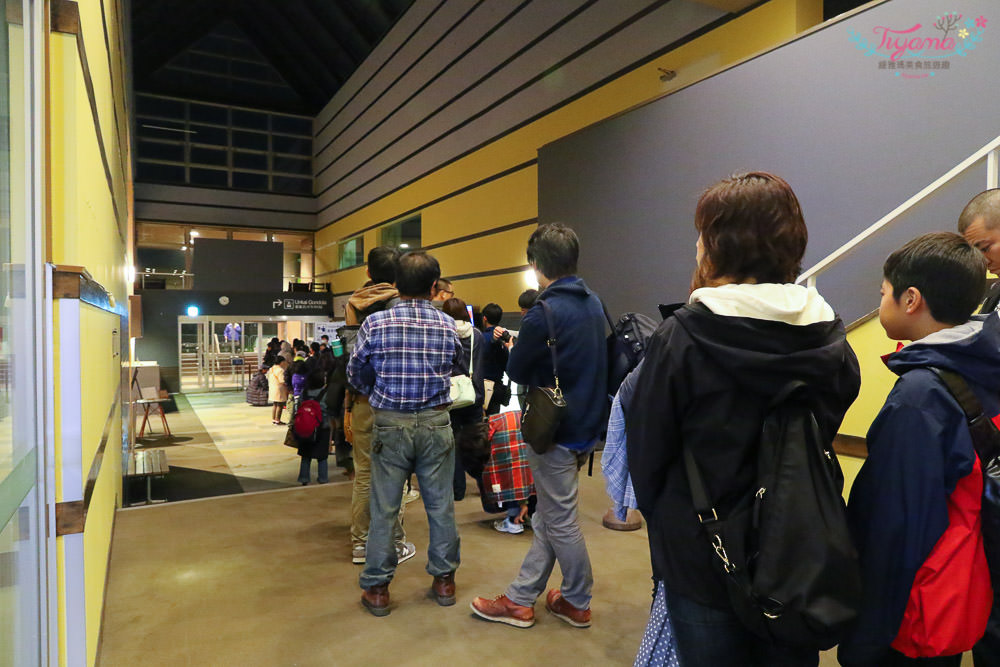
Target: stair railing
[[990, 151]]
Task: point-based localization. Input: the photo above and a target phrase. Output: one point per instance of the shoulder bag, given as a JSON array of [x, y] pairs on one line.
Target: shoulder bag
[[544, 407], [463, 393]]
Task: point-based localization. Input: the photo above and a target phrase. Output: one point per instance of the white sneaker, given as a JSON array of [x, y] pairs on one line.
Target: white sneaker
[[406, 552], [358, 555], [508, 526]]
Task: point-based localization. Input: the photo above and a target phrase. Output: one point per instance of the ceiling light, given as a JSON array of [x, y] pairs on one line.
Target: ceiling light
[[404, 245], [530, 279], [194, 232]]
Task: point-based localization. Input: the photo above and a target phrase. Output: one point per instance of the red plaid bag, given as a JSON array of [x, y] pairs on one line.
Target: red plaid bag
[[507, 476]]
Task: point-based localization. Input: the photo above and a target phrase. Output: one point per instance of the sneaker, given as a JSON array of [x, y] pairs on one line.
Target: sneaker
[[508, 526], [501, 610], [558, 607], [405, 552], [358, 555]]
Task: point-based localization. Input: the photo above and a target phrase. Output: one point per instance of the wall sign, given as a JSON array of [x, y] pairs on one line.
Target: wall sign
[[300, 305], [923, 49]]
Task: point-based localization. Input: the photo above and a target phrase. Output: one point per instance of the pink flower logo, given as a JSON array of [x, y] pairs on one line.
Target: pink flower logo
[[981, 22]]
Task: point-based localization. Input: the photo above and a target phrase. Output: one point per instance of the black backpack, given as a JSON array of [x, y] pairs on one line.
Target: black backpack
[[791, 568], [986, 441], [627, 345]]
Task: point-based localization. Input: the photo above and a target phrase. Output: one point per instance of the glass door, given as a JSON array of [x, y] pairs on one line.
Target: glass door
[[191, 363], [27, 571]]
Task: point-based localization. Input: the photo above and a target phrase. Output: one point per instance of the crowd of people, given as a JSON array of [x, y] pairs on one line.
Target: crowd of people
[[418, 391]]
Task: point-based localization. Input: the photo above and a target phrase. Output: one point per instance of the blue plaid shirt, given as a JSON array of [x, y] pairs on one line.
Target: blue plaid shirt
[[404, 356]]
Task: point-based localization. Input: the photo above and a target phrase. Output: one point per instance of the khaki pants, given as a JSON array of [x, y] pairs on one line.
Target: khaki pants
[[361, 423]]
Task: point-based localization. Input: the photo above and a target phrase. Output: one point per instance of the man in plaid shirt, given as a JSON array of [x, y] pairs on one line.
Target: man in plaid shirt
[[403, 361]]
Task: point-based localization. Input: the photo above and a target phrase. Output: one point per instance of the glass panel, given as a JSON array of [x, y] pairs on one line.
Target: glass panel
[[252, 140], [291, 145], [250, 160], [404, 234], [210, 177], [207, 134], [292, 165], [249, 119], [205, 113], [249, 236], [290, 125], [295, 242], [351, 252], [148, 234], [158, 106], [211, 156], [158, 150], [247, 181], [160, 173], [21, 545], [289, 185], [209, 233]]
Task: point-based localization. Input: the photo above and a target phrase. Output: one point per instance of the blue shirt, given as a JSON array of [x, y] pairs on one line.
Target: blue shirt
[[403, 357]]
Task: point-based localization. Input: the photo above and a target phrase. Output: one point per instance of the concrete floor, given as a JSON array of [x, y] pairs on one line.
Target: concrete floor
[[266, 579]]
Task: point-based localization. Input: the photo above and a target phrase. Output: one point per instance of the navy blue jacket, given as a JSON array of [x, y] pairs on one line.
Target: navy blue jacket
[[581, 348], [919, 447], [496, 356]]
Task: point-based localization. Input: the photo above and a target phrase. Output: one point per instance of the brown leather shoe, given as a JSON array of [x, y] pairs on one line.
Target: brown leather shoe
[[443, 589], [502, 610], [376, 600], [558, 607]]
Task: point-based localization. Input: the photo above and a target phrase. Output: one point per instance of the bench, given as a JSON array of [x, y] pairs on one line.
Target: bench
[[149, 464]]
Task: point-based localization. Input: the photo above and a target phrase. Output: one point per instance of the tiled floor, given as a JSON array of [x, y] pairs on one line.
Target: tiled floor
[[222, 445]]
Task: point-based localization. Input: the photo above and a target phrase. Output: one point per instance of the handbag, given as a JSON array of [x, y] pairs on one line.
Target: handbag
[[463, 393], [544, 407]]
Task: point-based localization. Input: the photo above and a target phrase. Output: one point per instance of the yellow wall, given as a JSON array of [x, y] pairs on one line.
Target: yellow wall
[[88, 226], [514, 197], [870, 343]]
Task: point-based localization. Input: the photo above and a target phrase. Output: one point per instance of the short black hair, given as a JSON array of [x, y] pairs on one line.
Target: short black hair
[[324, 338], [985, 206], [416, 274], [314, 346], [554, 250], [382, 264], [950, 274], [527, 299], [492, 312]]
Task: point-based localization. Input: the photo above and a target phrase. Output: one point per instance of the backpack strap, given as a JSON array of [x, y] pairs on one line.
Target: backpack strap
[[985, 436]]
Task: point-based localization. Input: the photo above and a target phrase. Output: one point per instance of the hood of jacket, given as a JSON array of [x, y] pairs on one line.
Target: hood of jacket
[[767, 335], [463, 328], [971, 350], [364, 298], [568, 286]]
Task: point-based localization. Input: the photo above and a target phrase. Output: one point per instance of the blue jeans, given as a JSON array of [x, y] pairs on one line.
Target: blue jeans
[[711, 637], [404, 443], [322, 474], [556, 532]]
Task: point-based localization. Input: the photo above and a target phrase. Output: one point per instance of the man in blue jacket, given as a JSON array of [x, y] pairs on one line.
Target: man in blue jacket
[[581, 357]]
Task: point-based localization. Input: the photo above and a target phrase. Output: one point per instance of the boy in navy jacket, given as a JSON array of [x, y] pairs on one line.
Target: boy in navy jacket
[[915, 507]]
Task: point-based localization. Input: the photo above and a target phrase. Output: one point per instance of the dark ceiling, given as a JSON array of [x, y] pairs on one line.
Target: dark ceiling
[[281, 55]]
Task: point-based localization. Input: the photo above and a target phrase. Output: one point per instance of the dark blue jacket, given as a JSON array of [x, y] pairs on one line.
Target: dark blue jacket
[[919, 447], [581, 349], [496, 356]]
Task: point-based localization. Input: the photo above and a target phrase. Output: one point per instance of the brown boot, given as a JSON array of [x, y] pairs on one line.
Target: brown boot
[[558, 607], [443, 589], [376, 600], [502, 610]]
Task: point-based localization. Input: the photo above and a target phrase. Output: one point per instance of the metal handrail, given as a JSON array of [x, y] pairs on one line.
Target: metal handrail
[[990, 151]]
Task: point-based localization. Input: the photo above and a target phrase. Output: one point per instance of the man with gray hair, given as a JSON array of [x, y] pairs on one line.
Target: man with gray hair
[[980, 225]]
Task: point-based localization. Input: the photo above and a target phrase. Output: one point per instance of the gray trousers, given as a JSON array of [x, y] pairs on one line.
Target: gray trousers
[[557, 534]]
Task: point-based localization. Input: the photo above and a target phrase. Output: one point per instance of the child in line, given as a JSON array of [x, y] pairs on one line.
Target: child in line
[[277, 390], [915, 507]]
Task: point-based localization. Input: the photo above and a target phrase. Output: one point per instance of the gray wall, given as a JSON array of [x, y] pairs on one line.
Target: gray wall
[[230, 208], [854, 141], [454, 75], [239, 266]]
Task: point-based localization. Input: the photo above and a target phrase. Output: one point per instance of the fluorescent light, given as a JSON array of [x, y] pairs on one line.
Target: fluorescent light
[[404, 245], [194, 232]]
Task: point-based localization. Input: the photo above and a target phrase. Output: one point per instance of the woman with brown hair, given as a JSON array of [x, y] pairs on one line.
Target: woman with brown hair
[[708, 375]]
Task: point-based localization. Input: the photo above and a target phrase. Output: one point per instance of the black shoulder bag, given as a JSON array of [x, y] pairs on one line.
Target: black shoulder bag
[[544, 407]]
